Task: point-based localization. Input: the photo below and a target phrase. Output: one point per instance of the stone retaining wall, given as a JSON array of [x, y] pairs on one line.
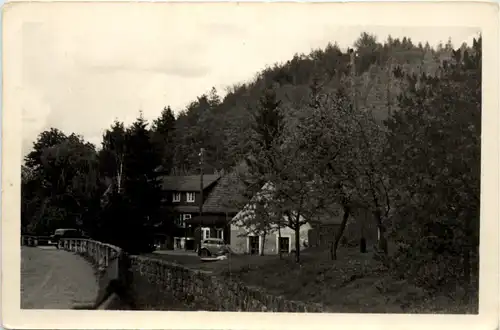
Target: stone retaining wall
[[160, 285], [141, 283]]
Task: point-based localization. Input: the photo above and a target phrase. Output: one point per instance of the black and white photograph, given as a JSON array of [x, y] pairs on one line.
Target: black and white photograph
[[249, 157]]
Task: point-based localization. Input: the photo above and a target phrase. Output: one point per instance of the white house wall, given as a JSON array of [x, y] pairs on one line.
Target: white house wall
[[240, 233], [240, 241]]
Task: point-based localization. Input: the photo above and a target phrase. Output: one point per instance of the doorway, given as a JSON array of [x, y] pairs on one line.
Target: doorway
[[190, 244], [253, 245], [284, 244]]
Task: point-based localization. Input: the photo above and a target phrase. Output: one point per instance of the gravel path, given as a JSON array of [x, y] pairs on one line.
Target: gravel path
[[55, 279]]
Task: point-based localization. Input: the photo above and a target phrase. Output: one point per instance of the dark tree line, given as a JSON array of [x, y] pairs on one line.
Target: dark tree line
[[114, 194]]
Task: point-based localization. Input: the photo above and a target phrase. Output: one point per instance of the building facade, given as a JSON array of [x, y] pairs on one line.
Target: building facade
[[184, 195], [199, 213], [244, 241]]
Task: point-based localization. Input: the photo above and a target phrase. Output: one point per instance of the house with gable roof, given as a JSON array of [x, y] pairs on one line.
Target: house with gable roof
[[316, 231], [186, 195], [200, 213], [217, 212]]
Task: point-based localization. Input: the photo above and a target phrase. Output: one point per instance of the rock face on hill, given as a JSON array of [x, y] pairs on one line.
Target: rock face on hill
[[223, 127]]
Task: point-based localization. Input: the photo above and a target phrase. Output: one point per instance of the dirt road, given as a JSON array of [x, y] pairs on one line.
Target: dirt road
[[55, 279]]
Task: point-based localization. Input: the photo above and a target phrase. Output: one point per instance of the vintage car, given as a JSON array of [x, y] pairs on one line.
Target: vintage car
[[213, 248]]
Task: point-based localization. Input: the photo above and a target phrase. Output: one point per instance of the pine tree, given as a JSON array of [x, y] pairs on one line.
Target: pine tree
[[262, 167], [127, 219], [163, 136], [112, 154], [268, 121], [427, 47], [141, 184], [213, 98]]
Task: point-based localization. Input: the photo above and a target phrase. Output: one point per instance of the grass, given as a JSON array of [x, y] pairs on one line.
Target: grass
[[233, 263], [355, 283]]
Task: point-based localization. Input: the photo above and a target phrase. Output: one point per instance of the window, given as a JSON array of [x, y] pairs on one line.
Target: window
[[190, 197], [176, 197], [186, 217], [179, 221], [205, 233], [219, 233]]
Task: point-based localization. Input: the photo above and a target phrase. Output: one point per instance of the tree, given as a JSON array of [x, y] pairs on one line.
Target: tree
[[142, 188], [434, 157], [327, 135], [223, 125], [258, 216], [213, 98], [427, 47], [30, 200], [268, 126], [275, 165], [197, 129], [60, 184], [141, 161], [295, 199], [213, 123], [46, 139], [134, 205], [72, 178], [285, 200], [163, 136], [294, 193], [346, 159], [112, 154], [368, 173], [367, 48]]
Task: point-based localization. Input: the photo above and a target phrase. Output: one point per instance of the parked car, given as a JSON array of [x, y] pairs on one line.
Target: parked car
[[213, 247], [65, 233]]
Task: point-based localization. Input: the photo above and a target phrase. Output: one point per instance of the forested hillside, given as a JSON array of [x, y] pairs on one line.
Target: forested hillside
[[222, 127]]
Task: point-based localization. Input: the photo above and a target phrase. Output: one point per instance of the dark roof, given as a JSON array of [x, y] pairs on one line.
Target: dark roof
[[334, 213], [328, 220], [226, 196], [187, 182], [331, 216]]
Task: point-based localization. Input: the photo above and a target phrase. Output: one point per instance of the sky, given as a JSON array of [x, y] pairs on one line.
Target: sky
[[83, 67]]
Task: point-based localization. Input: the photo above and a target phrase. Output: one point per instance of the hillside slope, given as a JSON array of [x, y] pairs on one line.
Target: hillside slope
[[222, 127]]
